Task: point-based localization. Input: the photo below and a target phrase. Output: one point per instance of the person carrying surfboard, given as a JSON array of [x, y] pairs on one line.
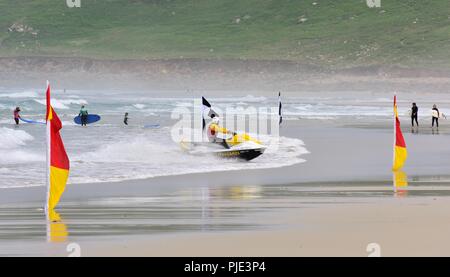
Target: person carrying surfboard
[[435, 116], [17, 115], [414, 114], [83, 115]]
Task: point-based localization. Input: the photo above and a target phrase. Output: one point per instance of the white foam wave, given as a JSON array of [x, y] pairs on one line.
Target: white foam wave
[[251, 98], [139, 106], [62, 104], [141, 158], [68, 123], [20, 156], [24, 94], [247, 98], [11, 142], [10, 138]]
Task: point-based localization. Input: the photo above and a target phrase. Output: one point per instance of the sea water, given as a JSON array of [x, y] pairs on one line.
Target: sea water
[[109, 150]]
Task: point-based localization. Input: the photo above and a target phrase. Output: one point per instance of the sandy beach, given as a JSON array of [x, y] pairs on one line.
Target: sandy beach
[[334, 204], [224, 129]]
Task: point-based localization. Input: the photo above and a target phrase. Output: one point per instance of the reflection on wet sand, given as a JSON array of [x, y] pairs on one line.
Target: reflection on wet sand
[[238, 192], [198, 209], [56, 229], [400, 182]]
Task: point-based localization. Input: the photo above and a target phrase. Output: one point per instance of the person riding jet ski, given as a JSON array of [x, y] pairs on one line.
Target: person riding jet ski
[[221, 135], [218, 134]]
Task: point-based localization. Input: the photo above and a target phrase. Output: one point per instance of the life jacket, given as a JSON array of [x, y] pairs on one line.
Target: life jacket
[[214, 129]]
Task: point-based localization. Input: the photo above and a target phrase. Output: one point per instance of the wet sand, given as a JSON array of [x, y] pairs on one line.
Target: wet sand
[[309, 219], [336, 203]]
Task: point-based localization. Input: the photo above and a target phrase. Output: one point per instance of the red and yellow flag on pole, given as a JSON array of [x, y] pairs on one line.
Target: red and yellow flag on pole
[[400, 152], [57, 160]]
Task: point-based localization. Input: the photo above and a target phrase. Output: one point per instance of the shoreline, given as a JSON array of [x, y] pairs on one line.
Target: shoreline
[[324, 163]]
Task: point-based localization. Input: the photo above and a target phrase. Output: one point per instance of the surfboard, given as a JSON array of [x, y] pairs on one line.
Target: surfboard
[[438, 115], [152, 126], [31, 121], [91, 118]]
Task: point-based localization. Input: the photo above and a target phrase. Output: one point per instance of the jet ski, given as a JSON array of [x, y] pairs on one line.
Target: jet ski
[[224, 143], [246, 150], [241, 147]]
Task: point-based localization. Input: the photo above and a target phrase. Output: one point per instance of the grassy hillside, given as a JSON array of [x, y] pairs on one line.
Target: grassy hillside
[[333, 32]]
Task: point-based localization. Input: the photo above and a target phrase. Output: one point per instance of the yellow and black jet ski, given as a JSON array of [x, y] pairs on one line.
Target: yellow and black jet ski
[[237, 146], [241, 146]]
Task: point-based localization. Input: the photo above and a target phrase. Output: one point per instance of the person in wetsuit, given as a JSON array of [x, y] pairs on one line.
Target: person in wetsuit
[[17, 115], [125, 119], [435, 117], [414, 114], [84, 115]]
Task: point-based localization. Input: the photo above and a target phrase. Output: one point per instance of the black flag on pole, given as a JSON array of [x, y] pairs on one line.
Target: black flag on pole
[[207, 110], [279, 108]]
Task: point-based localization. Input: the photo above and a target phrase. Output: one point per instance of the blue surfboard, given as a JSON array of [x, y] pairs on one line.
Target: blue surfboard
[[91, 118], [152, 126], [31, 121]]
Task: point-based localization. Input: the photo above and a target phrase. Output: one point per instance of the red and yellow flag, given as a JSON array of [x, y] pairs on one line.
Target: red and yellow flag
[[57, 160], [400, 152]]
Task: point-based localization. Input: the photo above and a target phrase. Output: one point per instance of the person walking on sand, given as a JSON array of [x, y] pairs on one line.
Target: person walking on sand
[[414, 114], [125, 119], [17, 115], [435, 116], [84, 115]]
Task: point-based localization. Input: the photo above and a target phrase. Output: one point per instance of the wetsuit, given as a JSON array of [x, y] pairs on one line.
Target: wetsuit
[[435, 118], [125, 120], [16, 116], [84, 115], [414, 115]]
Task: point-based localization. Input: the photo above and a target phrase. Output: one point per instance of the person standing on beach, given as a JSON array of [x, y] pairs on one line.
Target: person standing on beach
[[414, 114], [17, 115], [84, 115], [435, 116], [125, 119]]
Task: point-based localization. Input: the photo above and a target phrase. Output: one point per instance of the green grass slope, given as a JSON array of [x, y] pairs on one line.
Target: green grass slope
[[338, 33]]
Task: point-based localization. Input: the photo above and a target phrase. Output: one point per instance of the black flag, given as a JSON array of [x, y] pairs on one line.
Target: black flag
[[207, 110], [279, 108]]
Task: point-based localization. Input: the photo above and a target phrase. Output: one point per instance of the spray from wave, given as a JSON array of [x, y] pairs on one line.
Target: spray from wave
[[62, 104], [141, 157], [24, 94], [12, 149]]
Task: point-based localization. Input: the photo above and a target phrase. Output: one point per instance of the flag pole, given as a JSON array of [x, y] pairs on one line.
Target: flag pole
[[395, 129], [48, 137]]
